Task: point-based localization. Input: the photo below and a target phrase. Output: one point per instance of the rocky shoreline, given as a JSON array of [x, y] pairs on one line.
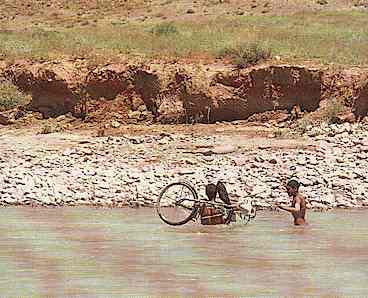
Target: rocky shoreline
[[70, 169]]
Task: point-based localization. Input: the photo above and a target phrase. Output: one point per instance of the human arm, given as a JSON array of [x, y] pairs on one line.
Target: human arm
[[296, 207]]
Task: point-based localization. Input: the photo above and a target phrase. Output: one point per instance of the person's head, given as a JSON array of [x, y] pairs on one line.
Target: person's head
[[211, 190], [292, 187]]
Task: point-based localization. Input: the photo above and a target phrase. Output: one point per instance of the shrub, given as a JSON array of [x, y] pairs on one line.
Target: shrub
[[10, 96], [363, 3], [332, 109], [246, 54], [46, 129], [322, 2], [303, 124], [279, 133], [164, 29], [101, 132], [50, 128]]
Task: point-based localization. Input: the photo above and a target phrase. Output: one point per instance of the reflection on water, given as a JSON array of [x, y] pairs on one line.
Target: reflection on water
[[112, 253]]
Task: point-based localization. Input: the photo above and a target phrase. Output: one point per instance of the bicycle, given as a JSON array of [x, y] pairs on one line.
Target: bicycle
[[179, 203]]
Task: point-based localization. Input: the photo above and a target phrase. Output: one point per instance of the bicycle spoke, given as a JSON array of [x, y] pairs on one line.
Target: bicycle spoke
[[177, 203]]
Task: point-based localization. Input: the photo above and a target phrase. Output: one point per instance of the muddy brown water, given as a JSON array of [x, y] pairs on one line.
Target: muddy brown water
[[85, 252]]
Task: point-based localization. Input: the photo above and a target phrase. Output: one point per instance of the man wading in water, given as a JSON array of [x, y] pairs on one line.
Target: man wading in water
[[298, 204], [211, 215]]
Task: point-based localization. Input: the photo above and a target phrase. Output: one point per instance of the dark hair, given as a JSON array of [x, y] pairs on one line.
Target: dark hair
[[294, 184], [211, 191]]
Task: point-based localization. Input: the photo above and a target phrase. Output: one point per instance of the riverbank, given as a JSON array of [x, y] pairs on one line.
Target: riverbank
[[130, 166]]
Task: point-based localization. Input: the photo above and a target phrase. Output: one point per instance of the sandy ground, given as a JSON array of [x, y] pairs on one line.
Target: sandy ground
[[243, 136]]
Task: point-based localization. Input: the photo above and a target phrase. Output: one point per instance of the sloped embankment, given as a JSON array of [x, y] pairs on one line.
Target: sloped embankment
[[177, 93], [361, 102]]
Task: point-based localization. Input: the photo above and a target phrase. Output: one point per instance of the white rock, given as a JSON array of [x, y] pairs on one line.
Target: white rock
[[224, 149]]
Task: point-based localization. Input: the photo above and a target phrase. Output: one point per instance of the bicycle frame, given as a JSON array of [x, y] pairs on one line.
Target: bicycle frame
[[193, 204], [233, 207]]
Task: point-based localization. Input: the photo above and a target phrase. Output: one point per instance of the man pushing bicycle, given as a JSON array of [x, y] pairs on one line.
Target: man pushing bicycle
[[210, 214], [179, 203]]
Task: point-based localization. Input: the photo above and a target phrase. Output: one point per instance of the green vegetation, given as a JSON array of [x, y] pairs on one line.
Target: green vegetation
[[246, 54], [280, 132], [303, 124], [51, 128], [10, 96], [324, 37], [46, 129], [363, 3], [332, 109], [322, 2], [164, 29]]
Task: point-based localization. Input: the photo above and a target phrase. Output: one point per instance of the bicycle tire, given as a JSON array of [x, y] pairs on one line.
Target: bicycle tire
[[191, 210]]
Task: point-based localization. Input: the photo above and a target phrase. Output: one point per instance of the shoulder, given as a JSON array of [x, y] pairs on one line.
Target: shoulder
[[300, 197]]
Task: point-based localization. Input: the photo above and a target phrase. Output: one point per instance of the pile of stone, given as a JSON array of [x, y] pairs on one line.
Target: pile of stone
[[131, 171]]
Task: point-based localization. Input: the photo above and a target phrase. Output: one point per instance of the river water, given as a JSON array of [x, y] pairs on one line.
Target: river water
[[83, 252]]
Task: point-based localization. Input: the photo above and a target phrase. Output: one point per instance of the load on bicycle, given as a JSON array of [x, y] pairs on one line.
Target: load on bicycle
[[179, 203]]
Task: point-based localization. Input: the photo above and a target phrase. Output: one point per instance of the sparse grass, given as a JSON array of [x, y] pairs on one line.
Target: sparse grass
[[164, 29], [50, 128], [278, 133], [46, 129], [246, 54], [303, 124], [332, 109], [363, 3], [167, 2], [322, 2], [101, 132], [325, 37], [10, 96]]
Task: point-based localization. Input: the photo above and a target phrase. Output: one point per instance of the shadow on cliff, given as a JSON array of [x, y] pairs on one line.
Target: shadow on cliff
[[179, 93]]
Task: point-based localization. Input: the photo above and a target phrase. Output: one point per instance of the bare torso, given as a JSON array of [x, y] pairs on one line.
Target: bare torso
[[211, 216], [299, 216]]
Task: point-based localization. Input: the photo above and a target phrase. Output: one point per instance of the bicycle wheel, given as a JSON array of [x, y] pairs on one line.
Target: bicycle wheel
[[177, 204]]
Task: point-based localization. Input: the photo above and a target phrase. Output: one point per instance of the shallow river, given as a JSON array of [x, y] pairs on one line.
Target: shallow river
[[123, 252]]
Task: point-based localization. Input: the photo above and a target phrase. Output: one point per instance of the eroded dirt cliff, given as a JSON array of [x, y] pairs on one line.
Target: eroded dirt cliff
[[180, 93]]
